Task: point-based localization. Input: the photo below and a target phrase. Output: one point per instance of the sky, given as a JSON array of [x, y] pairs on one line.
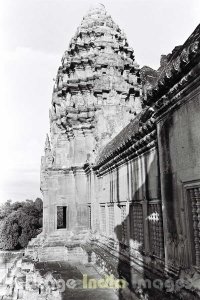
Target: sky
[[33, 36]]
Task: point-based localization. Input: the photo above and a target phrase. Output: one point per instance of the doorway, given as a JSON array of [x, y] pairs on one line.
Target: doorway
[[61, 217]]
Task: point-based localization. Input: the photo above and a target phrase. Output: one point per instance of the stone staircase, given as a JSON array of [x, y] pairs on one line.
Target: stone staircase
[[60, 245]]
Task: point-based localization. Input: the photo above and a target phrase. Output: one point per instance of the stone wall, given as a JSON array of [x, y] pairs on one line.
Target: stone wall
[[130, 174], [179, 142], [149, 175], [97, 92]]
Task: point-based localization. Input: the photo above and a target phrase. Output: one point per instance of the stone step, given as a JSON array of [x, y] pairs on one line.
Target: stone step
[[62, 253]]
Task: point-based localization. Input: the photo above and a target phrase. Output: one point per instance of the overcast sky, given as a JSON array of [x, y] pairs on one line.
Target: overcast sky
[[34, 34]]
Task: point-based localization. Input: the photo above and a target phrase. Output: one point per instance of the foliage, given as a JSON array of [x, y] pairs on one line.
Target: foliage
[[19, 222], [6, 209]]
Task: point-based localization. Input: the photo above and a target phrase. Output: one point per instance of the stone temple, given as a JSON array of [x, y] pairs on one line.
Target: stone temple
[[121, 169], [97, 93]]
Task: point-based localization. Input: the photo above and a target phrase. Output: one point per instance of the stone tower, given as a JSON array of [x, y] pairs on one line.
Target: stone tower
[[97, 92]]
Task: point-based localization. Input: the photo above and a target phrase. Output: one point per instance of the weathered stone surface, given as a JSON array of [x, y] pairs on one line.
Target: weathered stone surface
[[96, 93], [123, 159]]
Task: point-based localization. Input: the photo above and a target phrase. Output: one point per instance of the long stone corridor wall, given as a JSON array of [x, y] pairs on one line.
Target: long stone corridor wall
[[148, 176], [123, 156], [97, 92]]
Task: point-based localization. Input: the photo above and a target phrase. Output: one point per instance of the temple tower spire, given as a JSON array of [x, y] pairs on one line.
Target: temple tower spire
[[96, 93]]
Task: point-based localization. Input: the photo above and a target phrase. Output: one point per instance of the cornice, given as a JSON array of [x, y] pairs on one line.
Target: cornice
[[125, 156], [175, 72], [190, 89]]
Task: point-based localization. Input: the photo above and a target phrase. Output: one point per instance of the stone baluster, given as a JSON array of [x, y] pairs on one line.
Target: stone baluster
[[194, 198], [198, 216]]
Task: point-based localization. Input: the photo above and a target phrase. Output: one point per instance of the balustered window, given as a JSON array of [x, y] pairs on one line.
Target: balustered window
[[124, 223], [155, 229], [111, 219], [103, 218], [137, 226], [194, 216]]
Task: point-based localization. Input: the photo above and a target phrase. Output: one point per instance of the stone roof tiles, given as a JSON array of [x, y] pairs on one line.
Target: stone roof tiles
[[97, 62], [180, 62], [133, 133], [179, 69]]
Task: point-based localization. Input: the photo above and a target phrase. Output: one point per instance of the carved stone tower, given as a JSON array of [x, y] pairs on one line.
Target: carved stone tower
[[97, 92]]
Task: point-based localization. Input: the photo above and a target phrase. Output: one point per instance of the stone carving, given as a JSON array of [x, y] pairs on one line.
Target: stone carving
[[182, 259], [113, 98], [91, 76], [170, 249], [96, 91], [176, 250], [48, 153], [91, 103]]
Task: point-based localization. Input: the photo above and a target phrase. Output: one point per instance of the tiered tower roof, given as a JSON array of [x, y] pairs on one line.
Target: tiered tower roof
[[97, 69]]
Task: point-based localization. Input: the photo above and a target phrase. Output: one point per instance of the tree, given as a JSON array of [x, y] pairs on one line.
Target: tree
[[9, 233], [6, 209], [19, 222]]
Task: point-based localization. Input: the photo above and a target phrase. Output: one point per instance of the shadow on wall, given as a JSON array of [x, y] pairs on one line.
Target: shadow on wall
[[141, 246]]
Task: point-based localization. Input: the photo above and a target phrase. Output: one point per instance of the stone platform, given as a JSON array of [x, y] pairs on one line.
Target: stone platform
[[61, 245], [68, 261], [72, 275], [60, 267]]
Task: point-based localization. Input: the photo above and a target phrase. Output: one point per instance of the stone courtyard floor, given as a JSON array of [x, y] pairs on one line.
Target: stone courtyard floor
[[72, 273]]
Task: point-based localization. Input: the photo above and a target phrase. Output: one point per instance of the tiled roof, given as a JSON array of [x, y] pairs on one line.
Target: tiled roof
[[181, 61], [128, 134]]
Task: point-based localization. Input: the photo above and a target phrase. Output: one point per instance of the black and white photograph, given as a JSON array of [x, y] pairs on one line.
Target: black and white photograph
[[100, 150]]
